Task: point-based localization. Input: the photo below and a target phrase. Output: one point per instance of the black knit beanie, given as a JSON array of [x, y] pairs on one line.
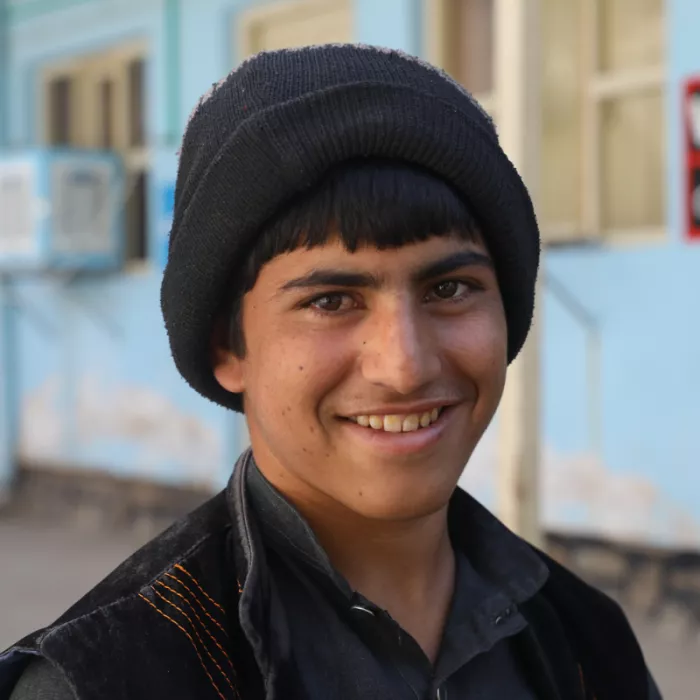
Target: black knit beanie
[[276, 124]]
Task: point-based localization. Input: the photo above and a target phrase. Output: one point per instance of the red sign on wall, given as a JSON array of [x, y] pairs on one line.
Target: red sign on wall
[[691, 111]]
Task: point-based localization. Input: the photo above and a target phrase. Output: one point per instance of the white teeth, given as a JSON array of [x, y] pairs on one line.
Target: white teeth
[[393, 424], [410, 423], [398, 423], [376, 422]]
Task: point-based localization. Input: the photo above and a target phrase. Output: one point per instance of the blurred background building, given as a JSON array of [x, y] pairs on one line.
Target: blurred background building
[[596, 104]]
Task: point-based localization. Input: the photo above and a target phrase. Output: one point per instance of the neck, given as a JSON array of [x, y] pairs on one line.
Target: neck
[[405, 567], [385, 558]]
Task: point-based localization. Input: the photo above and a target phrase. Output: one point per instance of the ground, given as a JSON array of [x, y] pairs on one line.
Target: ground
[[46, 567]]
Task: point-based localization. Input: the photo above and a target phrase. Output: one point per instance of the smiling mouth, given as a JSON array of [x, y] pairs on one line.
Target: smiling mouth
[[398, 423]]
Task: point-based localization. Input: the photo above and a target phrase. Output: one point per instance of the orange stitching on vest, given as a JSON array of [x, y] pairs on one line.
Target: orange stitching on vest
[[199, 602], [194, 629], [199, 619], [187, 634], [196, 583]]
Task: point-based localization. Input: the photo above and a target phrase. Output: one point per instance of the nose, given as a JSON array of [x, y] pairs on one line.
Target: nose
[[399, 351]]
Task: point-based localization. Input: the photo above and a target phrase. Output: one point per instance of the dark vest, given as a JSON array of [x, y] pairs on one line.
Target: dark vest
[[170, 623]]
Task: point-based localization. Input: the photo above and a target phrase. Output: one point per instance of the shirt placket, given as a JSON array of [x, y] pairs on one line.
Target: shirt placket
[[386, 635]]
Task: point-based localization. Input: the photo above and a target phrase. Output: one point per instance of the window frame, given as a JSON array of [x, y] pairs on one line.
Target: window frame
[[436, 19], [599, 86], [87, 72], [249, 21], [596, 87]]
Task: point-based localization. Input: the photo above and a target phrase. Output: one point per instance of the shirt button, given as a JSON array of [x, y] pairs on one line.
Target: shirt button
[[502, 617], [361, 608]]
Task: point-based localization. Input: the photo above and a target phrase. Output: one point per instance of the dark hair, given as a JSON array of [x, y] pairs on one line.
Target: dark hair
[[370, 202]]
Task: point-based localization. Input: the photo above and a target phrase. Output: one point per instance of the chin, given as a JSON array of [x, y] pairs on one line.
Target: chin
[[401, 505], [399, 491]]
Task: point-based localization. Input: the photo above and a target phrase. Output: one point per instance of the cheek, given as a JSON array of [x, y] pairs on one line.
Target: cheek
[[303, 366], [480, 347]]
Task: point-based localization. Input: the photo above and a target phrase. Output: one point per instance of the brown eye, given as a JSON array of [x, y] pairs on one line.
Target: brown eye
[[329, 302], [451, 290], [447, 289]]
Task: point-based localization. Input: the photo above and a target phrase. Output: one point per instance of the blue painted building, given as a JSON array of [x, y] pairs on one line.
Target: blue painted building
[[628, 462], [87, 381]]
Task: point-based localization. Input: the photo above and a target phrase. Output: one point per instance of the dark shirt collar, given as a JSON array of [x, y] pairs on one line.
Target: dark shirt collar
[[283, 528]]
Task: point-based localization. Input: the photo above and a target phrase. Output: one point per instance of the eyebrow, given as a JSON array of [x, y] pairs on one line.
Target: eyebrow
[[338, 278]]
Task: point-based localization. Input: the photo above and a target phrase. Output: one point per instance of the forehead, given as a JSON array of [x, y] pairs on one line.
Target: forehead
[[401, 261]]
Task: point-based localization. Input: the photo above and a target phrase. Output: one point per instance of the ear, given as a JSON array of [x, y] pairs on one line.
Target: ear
[[228, 369]]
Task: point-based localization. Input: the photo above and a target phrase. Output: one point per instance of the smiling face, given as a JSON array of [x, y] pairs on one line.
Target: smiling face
[[370, 376]]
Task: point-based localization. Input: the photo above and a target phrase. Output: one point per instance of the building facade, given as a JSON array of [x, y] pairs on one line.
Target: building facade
[[87, 380]]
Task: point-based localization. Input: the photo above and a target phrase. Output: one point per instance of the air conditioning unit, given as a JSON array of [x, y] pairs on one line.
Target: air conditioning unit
[[61, 210]]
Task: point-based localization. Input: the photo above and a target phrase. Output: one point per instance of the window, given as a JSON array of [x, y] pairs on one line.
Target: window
[[462, 39], [137, 129], [59, 96], [137, 214], [602, 158], [560, 196], [106, 109], [97, 101], [603, 161], [293, 24]]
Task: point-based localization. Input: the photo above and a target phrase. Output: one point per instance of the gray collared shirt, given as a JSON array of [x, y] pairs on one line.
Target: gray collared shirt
[[345, 646]]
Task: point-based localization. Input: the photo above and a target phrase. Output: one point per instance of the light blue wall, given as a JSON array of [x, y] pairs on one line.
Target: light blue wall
[[4, 69], [644, 302], [8, 417], [98, 388], [393, 23]]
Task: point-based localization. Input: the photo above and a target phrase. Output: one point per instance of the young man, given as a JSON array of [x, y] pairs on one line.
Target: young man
[[352, 264]]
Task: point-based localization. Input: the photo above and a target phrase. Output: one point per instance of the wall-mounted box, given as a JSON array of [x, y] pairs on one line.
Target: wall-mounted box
[[61, 210]]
